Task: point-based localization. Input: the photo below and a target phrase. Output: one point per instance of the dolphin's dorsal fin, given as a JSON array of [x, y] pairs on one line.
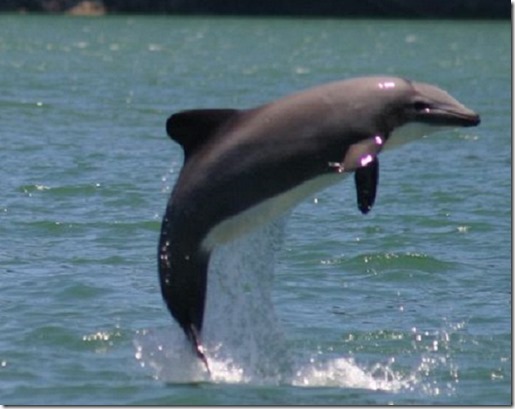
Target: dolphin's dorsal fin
[[193, 127]]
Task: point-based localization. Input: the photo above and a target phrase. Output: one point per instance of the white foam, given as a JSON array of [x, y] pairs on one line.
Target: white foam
[[166, 354]]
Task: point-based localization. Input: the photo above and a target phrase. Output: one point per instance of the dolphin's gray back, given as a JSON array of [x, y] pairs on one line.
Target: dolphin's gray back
[[257, 153]]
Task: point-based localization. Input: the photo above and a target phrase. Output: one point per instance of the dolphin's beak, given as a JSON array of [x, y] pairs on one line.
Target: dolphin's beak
[[455, 117], [448, 116], [434, 106]]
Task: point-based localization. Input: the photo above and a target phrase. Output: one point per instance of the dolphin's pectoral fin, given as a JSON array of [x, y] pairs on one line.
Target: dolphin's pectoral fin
[[361, 158], [366, 179], [193, 127], [359, 154]]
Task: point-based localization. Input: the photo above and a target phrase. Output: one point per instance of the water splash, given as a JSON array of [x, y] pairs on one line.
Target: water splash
[[245, 344], [240, 322], [241, 336], [167, 355], [345, 372]]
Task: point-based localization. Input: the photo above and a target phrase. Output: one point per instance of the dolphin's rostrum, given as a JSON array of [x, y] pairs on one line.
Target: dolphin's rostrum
[[243, 168]]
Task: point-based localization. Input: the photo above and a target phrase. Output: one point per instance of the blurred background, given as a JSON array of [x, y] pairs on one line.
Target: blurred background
[[477, 9]]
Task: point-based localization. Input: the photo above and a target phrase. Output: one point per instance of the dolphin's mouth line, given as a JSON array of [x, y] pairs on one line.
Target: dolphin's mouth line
[[445, 117], [471, 119]]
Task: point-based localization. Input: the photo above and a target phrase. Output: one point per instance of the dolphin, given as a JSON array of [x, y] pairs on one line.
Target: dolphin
[[244, 168]]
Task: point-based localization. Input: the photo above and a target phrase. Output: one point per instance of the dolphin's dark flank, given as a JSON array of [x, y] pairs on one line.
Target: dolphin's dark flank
[[244, 168]]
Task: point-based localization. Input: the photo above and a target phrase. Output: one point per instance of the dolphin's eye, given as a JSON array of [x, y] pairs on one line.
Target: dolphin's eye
[[421, 106]]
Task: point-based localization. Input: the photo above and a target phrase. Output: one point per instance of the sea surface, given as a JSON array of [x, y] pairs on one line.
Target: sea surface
[[410, 304]]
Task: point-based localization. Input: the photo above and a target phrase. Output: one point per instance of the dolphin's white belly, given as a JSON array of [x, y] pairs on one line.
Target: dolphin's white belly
[[266, 211], [276, 206]]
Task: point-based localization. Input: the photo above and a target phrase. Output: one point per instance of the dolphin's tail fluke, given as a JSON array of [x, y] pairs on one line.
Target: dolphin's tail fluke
[[194, 337]]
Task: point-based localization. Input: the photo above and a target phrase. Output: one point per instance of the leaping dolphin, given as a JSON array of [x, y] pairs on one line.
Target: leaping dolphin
[[243, 168]]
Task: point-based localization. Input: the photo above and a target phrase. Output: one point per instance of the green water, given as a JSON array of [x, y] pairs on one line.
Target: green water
[[408, 305]]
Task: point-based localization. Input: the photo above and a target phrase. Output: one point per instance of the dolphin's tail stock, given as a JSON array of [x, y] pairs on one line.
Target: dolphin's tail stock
[[198, 348], [183, 287]]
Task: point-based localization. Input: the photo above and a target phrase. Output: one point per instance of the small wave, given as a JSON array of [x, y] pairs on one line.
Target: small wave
[[68, 190], [408, 261], [33, 188]]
